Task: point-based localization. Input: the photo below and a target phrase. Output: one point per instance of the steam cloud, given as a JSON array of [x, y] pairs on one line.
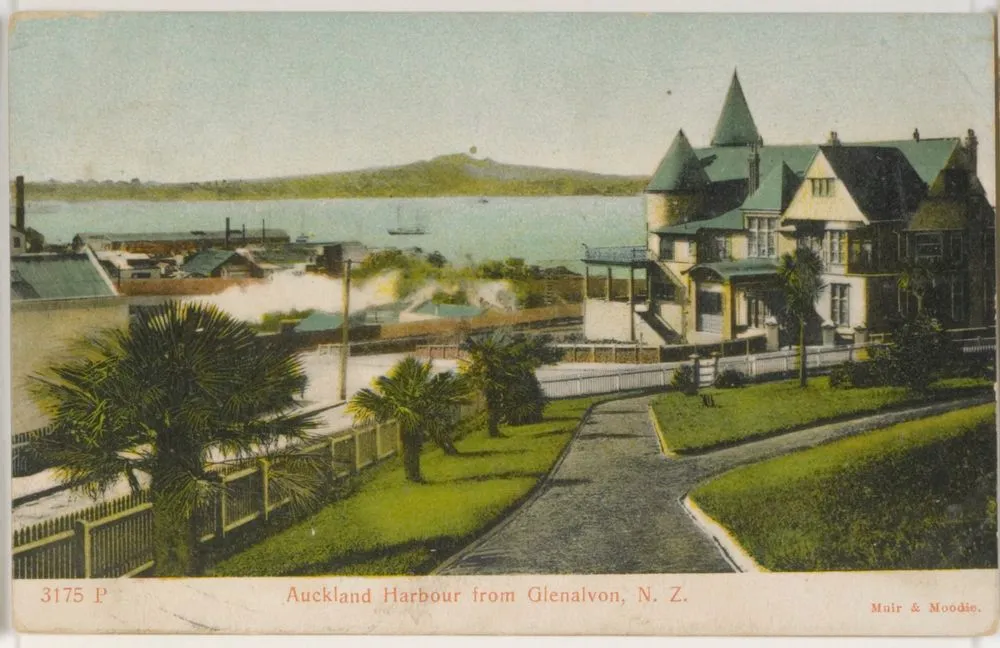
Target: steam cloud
[[287, 291]]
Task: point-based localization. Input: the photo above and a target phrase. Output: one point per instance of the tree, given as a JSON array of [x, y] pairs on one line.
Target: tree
[[502, 367], [423, 403], [181, 386], [916, 354], [800, 277]]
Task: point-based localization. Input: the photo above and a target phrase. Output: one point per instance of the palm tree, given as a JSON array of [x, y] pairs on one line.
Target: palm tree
[[502, 367], [800, 276], [423, 403], [178, 389]]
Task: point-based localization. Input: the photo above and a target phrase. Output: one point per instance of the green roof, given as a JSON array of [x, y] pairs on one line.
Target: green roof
[[938, 214], [450, 311], [727, 163], [735, 126], [731, 220], [727, 270], [775, 191], [323, 321], [880, 179], [206, 262], [680, 169], [57, 276], [926, 156]]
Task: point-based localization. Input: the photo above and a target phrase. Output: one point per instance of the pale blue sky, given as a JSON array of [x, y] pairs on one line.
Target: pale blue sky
[[197, 96]]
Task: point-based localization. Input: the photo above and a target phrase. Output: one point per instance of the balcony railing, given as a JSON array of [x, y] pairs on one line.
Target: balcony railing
[[635, 254]]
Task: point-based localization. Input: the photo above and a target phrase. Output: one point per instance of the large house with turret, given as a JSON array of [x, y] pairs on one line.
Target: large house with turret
[[719, 218]]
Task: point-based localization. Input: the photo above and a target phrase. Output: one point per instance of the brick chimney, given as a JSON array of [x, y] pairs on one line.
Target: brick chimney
[[753, 168], [972, 150], [227, 232], [19, 203], [916, 135], [833, 139]]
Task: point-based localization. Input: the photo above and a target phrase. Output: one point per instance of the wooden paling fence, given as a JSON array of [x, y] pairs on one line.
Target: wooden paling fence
[[115, 538]]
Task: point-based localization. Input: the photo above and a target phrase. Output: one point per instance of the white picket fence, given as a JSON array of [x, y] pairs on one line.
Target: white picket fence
[[777, 364]]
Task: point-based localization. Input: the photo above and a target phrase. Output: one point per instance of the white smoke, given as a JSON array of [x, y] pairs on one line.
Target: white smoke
[[286, 291]]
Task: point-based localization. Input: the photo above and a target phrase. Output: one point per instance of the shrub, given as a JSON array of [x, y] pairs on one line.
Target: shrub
[[730, 378], [915, 355], [856, 374], [684, 380]]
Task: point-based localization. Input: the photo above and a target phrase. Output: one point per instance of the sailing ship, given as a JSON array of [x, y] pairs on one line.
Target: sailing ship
[[406, 230]]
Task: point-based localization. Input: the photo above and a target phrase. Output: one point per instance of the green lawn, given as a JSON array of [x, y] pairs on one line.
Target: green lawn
[[918, 495], [393, 527], [765, 409]]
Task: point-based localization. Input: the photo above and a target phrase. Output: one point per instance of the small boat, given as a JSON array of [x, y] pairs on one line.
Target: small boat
[[483, 201], [406, 230], [303, 238]]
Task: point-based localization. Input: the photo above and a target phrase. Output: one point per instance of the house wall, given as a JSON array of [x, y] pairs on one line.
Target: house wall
[[41, 332], [805, 207], [18, 242], [603, 320], [673, 315], [664, 209], [857, 303]]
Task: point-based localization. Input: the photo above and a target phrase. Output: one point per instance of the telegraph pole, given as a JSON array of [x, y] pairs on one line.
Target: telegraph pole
[[345, 329]]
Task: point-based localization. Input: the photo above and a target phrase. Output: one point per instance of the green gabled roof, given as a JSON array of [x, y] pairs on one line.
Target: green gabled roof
[[927, 157], [727, 163], [206, 262], [731, 220], [880, 179], [727, 270], [451, 311], [735, 126], [775, 191], [939, 214], [323, 321], [57, 276], [680, 169]]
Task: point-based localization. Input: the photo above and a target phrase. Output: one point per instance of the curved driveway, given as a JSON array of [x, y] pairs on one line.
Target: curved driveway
[[612, 506]]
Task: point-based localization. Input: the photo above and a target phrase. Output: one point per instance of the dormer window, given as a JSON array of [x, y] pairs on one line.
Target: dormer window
[[822, 187]]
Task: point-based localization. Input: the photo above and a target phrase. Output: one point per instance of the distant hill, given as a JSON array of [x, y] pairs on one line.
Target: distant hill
[[447, 175]]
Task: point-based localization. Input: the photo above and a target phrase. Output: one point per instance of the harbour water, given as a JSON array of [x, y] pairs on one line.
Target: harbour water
[[547, 231]]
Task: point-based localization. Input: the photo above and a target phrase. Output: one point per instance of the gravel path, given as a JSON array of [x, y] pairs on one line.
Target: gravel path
[[613, 504]]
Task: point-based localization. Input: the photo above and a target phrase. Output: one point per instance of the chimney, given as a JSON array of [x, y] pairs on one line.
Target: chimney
[[916, 135], [753, 169], [19, 208], [834, 139], [227, 232], [263, 232], [244, 234], [972, 149]]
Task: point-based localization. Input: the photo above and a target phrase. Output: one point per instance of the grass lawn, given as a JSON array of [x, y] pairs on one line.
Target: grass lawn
[[766, 409], [393, 527], [917, 495]]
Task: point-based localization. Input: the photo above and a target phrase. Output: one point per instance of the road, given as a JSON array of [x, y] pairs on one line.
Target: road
[[613, 504]]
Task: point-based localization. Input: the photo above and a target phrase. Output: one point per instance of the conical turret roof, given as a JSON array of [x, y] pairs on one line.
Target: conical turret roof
[[680, 169], [776, 190], [735, 126]]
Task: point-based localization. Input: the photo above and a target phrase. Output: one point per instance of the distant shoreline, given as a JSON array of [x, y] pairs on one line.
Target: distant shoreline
[[448, 176]]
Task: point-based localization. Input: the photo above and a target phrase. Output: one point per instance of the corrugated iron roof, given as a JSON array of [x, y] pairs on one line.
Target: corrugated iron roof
[[731, 220], [742, 268], [58, 276], [208, 261], [680, 169], [735, 126]]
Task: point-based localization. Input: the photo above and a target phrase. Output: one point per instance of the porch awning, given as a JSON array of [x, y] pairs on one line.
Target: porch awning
[[743, 268]]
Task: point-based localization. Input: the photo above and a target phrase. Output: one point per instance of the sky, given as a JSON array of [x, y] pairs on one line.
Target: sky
[[178, 97]]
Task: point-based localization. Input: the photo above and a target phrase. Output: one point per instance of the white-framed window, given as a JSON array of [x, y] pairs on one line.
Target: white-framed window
[[822, 187], [957, 249], [666, 248], [720, 249], [928, 246], [763, 239], [840, 298], [836, 247], [957, 299]]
